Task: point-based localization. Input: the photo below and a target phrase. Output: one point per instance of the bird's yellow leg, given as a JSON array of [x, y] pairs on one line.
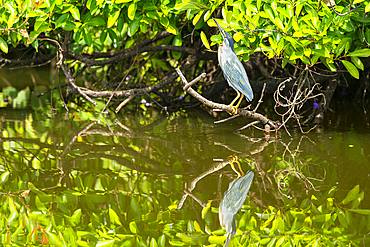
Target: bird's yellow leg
[[235, 160], [241, 98], [234, 111]]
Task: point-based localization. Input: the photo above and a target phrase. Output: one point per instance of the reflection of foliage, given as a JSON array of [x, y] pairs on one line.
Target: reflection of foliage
[[120, 186], [120, 208], [124, 207]]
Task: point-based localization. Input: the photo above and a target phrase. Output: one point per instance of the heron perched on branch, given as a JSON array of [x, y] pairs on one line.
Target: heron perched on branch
[[233, 69], [233, 200]]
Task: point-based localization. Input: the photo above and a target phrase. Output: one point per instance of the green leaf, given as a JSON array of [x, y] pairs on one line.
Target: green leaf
[[96, 21], [122, 1], [360, 53], [357, 62], [206, 209], [132, 11], [75, 13], [330, 66], [340, 47], [135, 207], [279, 23], [133, 27], [177, 41], [185, 5], [76, 216], [153, 243], [354, 192], [114, 219], [40, 205], [367, 8], [87, 37], [269, 12], [133, 227], [114, 38], [113, 18], [105, 243], [204, 39], [4, 178], [357, 1], [358, 200], [162, 240], [13, 14], [197, 17], [61, 20], [360, 211], [53, 239], [22, 99], [354, 72], [280, 241], [171, 28], [342, 218]]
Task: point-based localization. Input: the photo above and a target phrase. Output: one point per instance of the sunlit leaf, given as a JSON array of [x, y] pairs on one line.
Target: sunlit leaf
[[204, 39], [133, 227], [105, 243], [354, 72], [3, 45], [113, 18], [133, 27], [360, 211], [357, 62], [131, 10], [75, 13], [217, 239], [114, 219], [360, 53], [4, 177]]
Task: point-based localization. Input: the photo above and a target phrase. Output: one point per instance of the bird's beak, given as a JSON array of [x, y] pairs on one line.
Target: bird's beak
[[227, 239], [219, 27]]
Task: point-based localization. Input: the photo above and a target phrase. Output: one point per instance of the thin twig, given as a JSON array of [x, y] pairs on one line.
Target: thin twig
[[115, 90], [260, 100], [124, 103], [203, 75], [246, 126], [226, 119]]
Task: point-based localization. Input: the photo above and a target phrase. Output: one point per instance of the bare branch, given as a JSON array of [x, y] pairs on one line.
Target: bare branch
[[241, 112]]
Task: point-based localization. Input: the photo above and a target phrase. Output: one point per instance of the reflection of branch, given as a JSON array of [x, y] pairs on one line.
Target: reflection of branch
[[218, 166], [69, 146], [241, 112]]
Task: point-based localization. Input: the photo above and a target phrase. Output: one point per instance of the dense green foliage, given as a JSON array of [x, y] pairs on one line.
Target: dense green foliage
[[124, 208], [308, 31]]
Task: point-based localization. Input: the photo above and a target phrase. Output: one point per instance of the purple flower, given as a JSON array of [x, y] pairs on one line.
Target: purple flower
[[143, 101], [181, 96], [344, 93], [127, 78], [102, 82], [148, 104], [6, 100], [315, 105]]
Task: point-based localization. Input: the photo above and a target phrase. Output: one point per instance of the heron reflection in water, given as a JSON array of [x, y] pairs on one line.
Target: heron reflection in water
[[233, 200]]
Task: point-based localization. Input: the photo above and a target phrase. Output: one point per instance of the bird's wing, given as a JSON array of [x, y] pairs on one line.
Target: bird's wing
[[235, 196], [236, 76]]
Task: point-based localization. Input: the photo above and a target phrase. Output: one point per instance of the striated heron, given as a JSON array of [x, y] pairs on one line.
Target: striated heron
[[232, 201], [233, 69]]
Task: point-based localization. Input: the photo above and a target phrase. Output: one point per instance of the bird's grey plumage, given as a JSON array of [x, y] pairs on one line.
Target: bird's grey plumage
[[232, 201], [231, 66]]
